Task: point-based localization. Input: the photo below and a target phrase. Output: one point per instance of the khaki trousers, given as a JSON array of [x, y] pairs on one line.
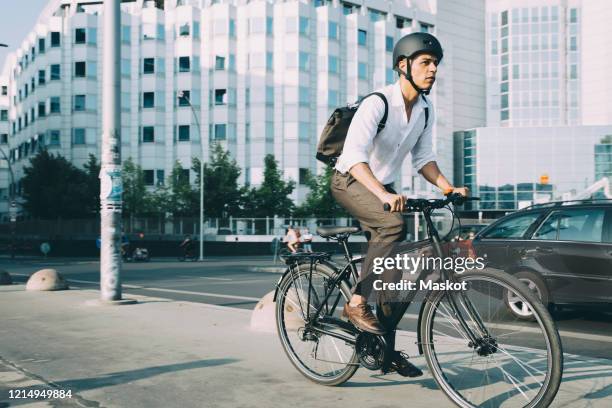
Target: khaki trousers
[[382, 229]]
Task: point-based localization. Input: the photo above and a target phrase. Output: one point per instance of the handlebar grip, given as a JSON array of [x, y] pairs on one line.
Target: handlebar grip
[[387, 207]]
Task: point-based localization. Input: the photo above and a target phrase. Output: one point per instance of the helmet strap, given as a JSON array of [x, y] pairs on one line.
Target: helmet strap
[[408, 76]]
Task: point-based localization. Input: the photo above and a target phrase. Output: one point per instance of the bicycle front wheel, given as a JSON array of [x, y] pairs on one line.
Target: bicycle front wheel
[[512, 364], [320, 357]]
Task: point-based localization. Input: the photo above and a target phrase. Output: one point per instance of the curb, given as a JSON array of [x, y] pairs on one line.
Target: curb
[[268, 269]]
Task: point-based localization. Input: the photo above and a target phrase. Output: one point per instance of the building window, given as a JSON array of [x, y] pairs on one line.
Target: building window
[[247, 96], [184, 98], [573, 44], [304, 95], [54, 137], [183, 176], [160, 178], [79, 103], [220, 132], [573, 71], [362, 70], [184, 30], [41, 78], [401, 22], [54, 106], [389, 76], [41, 45], [332, 30], [304, 61], [79, 69], [4, 115], [362, 37], [220, 96], [304, 26], [148, 134], [78, 136], [184, 64], [183, 133], [148, 177], [333, 98], [4, 90], [332, 64], [232, 28], [4, 138], [504, 17], [573, 15], [41, 110], [270, 95], [219, 63], [425, 28], [148, 99], [55, 39], [148, 66], [269, 61], [303, 176], [269, 25], [55, 72], [389, 44], [80, 36], [304, 131]]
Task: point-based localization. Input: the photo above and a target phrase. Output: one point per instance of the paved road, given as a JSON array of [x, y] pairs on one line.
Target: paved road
[[228, 282]]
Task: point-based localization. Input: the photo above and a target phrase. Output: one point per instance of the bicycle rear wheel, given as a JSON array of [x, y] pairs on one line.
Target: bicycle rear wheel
[[320, 357], [519, 365]]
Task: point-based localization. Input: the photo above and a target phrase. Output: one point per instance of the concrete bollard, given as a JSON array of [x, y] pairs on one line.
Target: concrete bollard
[[5, 278], [46, 279], [263, 318]]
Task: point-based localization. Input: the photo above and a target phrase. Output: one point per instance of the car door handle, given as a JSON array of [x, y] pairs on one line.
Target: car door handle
[[544, 250]]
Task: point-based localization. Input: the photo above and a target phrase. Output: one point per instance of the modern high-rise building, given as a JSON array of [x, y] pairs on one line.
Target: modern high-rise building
[[534, 65], [257, 77]]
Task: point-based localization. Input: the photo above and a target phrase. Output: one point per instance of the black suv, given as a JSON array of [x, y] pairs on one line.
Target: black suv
[[562, 251]]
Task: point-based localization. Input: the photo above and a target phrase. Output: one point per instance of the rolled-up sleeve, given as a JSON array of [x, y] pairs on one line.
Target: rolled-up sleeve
[[422, 152], [361, 133]]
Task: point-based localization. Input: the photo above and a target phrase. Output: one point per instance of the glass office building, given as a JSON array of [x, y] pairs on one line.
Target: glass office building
[[511, 167]]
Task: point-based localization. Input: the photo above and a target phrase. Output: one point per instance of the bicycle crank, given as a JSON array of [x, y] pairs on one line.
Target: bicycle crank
[[371, 350]]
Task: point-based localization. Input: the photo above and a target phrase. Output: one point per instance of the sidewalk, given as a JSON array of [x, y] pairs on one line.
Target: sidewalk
[[161, 353]]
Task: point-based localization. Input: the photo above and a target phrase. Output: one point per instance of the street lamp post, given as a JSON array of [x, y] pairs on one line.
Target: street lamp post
[[12, 204], [181, 95]]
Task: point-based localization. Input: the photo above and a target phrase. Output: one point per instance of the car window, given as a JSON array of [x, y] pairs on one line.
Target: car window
[[584, 225], [548, 229], [514, 227]]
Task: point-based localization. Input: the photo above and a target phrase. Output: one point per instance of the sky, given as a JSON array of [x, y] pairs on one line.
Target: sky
[[17, 19]]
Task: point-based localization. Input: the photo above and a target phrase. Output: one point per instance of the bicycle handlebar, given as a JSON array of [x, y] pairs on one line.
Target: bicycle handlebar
[[421, 204]]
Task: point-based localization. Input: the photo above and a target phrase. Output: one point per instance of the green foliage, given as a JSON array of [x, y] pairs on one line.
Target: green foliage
[[320, 203], [223, 196], [92, 170], [136, 198], [272, 196], [55, 188]]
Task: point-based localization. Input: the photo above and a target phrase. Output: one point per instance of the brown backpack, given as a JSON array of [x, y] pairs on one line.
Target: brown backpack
[[334, 133]]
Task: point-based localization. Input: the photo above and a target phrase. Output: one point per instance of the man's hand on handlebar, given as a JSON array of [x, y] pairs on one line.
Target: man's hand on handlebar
[[396, 202], [464, 191]]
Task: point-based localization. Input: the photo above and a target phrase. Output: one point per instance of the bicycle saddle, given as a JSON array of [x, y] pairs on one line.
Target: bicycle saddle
[[331, 231]]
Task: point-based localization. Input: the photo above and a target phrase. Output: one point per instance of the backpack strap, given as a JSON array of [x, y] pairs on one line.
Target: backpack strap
[[426, 111], [383, 121]]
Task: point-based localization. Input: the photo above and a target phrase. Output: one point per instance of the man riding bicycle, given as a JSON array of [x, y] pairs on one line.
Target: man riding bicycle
[[369, 163]]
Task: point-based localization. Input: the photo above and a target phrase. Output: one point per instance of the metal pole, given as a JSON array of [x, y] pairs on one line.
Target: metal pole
[[111, 188], [12, 203], [181, 95]]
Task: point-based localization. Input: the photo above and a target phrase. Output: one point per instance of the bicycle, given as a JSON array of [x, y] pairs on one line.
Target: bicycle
[[475, 352]]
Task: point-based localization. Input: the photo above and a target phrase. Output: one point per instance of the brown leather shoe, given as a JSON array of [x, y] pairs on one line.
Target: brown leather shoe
[[362, 317]]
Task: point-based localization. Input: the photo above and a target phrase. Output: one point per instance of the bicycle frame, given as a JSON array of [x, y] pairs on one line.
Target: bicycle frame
[[349, 269]]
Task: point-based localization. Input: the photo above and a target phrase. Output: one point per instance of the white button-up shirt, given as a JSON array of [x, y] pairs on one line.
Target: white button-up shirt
[[385, 152]]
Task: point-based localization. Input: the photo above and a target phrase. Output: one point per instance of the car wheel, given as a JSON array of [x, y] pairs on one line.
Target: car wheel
[[536, 285]]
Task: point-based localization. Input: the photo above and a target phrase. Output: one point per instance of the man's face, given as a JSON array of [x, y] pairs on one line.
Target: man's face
[[424, 69]]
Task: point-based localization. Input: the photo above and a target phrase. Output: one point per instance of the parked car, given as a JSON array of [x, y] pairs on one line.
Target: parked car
[[561, 251]]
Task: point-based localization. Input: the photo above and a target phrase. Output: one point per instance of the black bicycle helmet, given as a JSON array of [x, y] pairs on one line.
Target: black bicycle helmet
[[412, 45]]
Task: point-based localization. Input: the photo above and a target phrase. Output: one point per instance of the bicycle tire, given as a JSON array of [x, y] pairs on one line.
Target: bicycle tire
[[351, 364], [554, 351]]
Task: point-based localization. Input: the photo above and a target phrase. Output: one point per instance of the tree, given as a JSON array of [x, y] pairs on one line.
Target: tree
[[92, 170], [272, 196], [223, 196], [136, 198], [183, 200], [320, 203], [54, 188]]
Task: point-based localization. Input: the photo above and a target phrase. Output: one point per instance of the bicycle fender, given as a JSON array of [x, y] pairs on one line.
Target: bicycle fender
[[418, 330], [288, 270]]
